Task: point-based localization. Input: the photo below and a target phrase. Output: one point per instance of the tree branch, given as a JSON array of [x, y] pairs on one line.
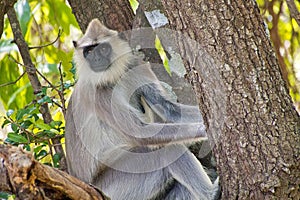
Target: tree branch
[[293, 10], [45, 45], [13, 82], [4, 5], [28, 179], [32, 75]]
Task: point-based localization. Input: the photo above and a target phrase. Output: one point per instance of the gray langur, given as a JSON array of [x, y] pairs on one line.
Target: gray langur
[[123, 133]]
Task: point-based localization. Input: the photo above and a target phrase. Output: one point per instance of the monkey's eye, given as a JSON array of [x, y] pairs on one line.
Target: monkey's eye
[[88, 49], [104, 49]]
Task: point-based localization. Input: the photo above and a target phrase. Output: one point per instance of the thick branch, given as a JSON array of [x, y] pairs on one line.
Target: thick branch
[[4, 5], [28, 179], [32, 75]]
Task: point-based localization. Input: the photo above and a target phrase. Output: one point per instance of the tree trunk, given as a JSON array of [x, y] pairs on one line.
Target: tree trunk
[[115, 14], [257, 146]]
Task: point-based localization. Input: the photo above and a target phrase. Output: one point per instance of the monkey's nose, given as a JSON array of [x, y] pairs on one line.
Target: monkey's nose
[[74, 43]]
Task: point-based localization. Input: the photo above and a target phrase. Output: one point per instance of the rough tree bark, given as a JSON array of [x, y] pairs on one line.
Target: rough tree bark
[[258, 148], [115, 14]]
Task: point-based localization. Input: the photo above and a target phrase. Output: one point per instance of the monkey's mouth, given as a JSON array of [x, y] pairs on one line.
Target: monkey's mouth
[[100, 66]]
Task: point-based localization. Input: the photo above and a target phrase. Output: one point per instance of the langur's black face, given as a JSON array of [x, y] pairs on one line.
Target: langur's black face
[[98, 56]]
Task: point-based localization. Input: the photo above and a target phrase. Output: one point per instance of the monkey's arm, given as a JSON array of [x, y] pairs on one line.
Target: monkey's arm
[[160, 121], [168, 110], [161, 134]]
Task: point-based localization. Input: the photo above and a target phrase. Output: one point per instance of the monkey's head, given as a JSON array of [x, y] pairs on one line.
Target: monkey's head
[[101, 56]]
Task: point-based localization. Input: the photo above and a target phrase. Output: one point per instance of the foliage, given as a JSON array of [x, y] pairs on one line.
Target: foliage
[[47, 27]]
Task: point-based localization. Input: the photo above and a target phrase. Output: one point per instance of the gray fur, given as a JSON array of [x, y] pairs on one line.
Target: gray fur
[[130, 142]]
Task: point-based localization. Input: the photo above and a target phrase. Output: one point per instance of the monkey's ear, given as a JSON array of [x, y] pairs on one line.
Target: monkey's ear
[[96, 28], [74, 43]]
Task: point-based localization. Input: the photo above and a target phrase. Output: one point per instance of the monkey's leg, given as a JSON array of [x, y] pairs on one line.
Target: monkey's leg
[[179, 192], [188, 171]]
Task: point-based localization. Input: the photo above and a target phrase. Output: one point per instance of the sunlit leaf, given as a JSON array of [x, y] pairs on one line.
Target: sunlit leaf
[[23, 12], [162, 54], [5, 123], [54, 131], [17, 138], [14, 96], [37, 149], [40, 124]]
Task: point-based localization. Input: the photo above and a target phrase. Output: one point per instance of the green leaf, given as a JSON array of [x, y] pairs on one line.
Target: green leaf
[[35, 117], [52, 67], [23, 11], [4, 195], [45, 99], [16, 138], [27, 147], [40, 124], [21, 113], [5, 122], [54, 131], [40, 134], [42, 153], [50, 133], [44, 90], [56, 159], [61, 14], [8, 73], [13, 98], [14, 127], [55, 124], [25, 124], [8, 141], [38, 148]]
